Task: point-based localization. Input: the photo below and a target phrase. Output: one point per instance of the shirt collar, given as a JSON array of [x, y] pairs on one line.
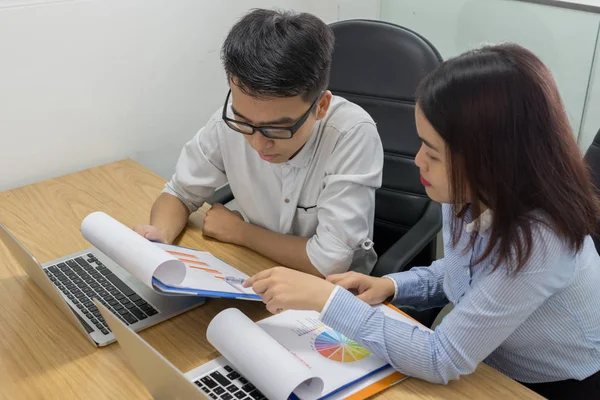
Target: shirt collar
[[484, 220], [303, 157]]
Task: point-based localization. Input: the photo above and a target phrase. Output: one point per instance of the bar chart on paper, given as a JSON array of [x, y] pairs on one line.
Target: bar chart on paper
[[191, 261], [200, 273]]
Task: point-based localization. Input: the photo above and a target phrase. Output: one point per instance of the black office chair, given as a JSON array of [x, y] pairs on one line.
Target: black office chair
[[378, 65], [592, 157]]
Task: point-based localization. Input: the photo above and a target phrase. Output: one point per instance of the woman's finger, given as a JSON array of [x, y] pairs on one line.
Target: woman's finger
[[349, 282], [367, 296], [274, 306], [261, 286], [260, 276], [337, 277]]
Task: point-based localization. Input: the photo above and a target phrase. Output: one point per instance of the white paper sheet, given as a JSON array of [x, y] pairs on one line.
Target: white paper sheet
[[204, 271], [136, 254], [373, 379], [285, 350], [258, 357], [330, 355], [172, 265]]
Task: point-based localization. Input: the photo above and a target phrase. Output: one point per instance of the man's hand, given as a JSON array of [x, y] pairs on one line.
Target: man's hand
[[151, 232], [223, 224]]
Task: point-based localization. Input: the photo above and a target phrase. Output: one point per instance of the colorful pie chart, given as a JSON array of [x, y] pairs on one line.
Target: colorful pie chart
[[337, 347]]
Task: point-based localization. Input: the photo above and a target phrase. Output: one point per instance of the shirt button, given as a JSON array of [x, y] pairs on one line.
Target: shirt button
[[287, 201]]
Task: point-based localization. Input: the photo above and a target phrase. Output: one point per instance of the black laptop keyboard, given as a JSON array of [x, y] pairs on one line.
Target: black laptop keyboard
[[85, 278], [227, 384]]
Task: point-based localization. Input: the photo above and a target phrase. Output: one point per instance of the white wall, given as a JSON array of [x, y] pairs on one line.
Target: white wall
[[591, 116], [84, 83], [564, 39]]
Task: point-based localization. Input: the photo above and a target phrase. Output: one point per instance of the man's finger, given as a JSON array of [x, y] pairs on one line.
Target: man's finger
[[238, 213], [140, 229], [216, 206], [151, 235]]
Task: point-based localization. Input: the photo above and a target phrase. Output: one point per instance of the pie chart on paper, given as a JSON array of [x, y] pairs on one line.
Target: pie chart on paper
[[337, 347]]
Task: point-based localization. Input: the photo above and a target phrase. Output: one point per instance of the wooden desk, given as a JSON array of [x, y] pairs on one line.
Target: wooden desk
[[42, 356]]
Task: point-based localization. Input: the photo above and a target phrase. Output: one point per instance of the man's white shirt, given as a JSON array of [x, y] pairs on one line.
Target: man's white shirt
[[326, 192]]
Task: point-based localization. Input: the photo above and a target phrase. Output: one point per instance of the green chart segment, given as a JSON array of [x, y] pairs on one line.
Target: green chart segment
[[337, 347]]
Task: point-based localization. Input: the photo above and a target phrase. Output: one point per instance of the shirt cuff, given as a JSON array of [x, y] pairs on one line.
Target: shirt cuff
[[409, 288], [395, 286], [328, 254], [326, 306], [340, 305], [169, 188]]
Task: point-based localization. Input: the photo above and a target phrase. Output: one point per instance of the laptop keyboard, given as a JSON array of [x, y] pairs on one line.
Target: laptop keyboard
[[225, 383], [84, 278]]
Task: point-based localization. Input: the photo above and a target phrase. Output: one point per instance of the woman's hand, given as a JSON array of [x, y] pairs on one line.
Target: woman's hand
[[369, 289], [287, 289]]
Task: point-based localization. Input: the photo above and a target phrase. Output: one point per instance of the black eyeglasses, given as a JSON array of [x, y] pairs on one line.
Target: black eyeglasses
[[272, 132]]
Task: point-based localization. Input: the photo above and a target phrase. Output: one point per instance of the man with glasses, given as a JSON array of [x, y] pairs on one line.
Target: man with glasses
[[302, 164]]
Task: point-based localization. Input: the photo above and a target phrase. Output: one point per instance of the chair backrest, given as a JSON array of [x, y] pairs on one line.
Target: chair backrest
[[378, 65], [592, 157]]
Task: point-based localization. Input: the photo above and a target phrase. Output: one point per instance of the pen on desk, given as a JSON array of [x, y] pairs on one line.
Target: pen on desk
[[234, 280]]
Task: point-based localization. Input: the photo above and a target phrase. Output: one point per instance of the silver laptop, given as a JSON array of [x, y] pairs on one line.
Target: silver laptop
[[214, 380], [72, 282]]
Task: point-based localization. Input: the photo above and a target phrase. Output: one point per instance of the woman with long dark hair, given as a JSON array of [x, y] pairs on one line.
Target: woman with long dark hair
[[520, 266]]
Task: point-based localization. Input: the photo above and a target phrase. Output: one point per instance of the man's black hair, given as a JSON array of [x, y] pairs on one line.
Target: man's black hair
[[271, 53]]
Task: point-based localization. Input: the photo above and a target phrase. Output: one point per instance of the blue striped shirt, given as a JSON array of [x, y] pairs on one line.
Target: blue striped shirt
[[540, 325]]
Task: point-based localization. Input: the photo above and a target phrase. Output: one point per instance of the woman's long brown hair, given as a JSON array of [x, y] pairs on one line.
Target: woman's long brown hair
[[511, 148]]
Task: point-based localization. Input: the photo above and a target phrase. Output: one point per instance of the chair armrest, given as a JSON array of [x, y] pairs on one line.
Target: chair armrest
[[222, 195], [413, 241]]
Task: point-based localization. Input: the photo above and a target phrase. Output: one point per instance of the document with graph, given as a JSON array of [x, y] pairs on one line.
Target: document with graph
[[294, 355], [165, 268]]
